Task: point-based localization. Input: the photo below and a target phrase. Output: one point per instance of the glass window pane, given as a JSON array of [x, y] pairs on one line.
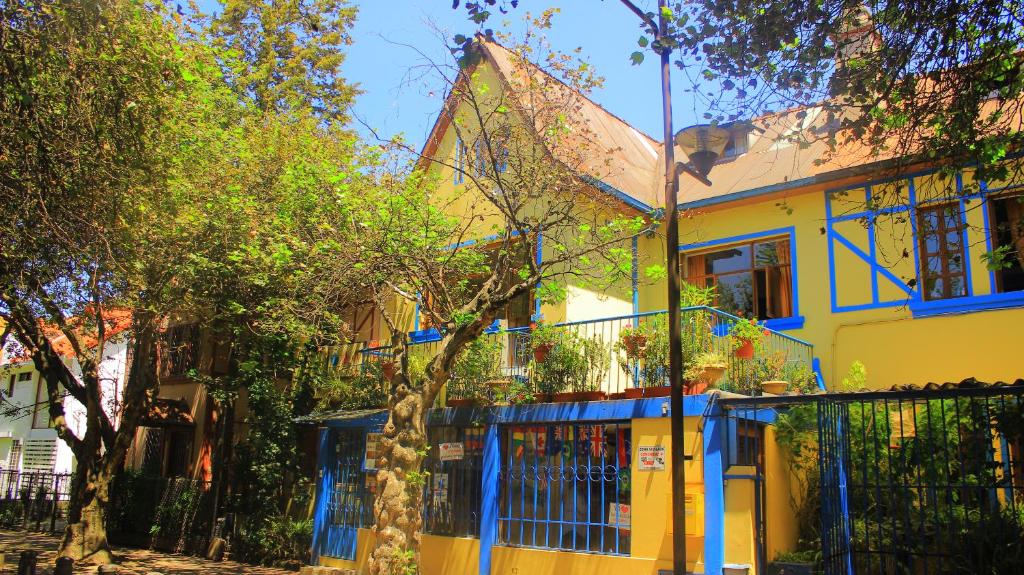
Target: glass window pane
[[730, 260], [955, 264], [768, 254], [736, 294], [956, 286]]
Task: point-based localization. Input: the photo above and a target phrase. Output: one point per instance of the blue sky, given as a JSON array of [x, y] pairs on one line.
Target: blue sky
[[397, 99]]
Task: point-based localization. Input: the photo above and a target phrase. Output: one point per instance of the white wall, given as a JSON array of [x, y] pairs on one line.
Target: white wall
[[16, 414]]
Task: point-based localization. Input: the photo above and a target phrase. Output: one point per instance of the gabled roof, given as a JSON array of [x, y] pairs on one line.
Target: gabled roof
[[631, 157], [624, 161]]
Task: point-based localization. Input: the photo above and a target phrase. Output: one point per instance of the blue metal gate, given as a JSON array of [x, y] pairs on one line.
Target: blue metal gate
[[833, 449], [349, 493]]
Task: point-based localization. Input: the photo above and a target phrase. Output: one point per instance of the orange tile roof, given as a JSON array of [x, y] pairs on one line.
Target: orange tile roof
[[116, 320]]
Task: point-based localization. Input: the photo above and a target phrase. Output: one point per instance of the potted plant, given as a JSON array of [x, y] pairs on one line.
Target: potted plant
[[592, 361], [794, 563], [632, 341], [387, 369], [746, 336], [543, 339], [800, 377], [477, 377], [704, 371], [770, 370], [647, 364]]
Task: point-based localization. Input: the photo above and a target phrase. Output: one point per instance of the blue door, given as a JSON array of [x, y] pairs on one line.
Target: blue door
[[349, 499]]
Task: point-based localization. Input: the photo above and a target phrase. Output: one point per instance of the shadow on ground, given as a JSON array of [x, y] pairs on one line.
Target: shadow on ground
[[131, 561]]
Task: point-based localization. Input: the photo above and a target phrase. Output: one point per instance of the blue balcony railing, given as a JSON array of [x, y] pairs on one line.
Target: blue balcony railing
[[609, 357]]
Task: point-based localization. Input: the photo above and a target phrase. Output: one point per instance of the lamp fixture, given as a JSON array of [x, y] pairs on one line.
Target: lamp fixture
[[703, 144]]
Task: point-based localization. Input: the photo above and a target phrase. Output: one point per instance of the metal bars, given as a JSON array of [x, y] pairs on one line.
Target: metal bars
[[566, 487], [923, 482], [452, 492], [609, 355], [351, 498]]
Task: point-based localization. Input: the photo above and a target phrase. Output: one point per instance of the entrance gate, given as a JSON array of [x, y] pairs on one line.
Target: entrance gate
[[916, 482]]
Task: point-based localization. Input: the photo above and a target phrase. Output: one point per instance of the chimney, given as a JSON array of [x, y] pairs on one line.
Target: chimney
[[857, 36]]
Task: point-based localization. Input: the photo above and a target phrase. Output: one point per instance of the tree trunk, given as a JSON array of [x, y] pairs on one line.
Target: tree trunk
[[399, 504], [85, 537]]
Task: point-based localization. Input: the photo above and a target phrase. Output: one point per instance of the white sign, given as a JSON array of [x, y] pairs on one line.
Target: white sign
[[451, 451], [619, 513], [652, 457]]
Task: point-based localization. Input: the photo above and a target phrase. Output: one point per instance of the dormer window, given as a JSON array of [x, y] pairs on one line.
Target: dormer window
[[738, 143]]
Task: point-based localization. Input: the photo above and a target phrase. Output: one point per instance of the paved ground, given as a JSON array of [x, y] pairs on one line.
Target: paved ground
[[132, 561]]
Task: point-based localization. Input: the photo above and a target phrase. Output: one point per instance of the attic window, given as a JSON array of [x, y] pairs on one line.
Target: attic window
[[738, 143]]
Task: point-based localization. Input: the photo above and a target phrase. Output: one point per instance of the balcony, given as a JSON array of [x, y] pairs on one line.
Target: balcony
[[612, 358]]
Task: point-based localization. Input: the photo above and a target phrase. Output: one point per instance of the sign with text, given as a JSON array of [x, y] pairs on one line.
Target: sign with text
[[619, 513], [652, 457], [451, 451]]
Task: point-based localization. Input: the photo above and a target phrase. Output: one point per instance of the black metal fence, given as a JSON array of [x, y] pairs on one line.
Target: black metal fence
[[33, 500], [170, 514], [452, 492], [897, 482]]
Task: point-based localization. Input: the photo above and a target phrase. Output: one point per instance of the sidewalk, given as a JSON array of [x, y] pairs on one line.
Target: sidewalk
[[131, 561]]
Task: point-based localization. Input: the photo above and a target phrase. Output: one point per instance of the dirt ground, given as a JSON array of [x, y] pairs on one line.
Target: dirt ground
[[131, 561]]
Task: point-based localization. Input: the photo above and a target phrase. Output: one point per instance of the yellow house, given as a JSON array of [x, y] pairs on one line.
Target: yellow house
[[865, 262], [840, 259]]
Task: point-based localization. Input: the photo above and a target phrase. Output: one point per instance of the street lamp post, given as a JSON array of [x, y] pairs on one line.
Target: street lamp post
[[702, 144]]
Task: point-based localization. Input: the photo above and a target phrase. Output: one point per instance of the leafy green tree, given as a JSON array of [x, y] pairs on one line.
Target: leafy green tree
[[530, 160], [287, 55], [88, 88]]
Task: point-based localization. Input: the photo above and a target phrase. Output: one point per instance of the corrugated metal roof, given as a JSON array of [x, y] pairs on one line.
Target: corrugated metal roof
[[340, 415]]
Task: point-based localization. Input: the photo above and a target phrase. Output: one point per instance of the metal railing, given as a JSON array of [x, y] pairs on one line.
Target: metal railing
[[167, 513], [33, 500], [566, 487], [891, 482], [607, 357]]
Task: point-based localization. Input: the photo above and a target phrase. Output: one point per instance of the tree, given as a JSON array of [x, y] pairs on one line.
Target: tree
[[138, 176], [87, 90], [287, 55], [529, 161]]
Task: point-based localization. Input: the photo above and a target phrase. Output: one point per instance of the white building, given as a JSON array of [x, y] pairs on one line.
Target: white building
[[27, 441]]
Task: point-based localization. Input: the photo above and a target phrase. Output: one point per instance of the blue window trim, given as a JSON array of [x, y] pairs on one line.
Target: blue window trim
[[795, 321], [918, 306], [958, 305], [876, 270]]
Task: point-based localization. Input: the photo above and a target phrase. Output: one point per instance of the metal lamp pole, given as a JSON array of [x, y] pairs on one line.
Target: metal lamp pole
[[703, 145], [675, 356]]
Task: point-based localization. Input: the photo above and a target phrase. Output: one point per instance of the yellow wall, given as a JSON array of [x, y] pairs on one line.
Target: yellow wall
[[650, 537], [652, 492], [780, 487], [739, 518], [895, 348]]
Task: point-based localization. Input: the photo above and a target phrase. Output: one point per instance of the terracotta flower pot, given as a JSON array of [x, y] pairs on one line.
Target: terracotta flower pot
[[774, 387], [695, 387], [745, 351], [460, 403], [711, 375], [540, 353], [580, 396], [543, 397], [642, 392]]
